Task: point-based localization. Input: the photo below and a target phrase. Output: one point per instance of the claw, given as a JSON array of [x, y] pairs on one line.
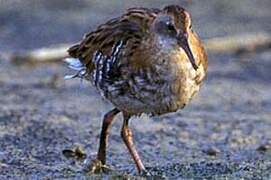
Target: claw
[[145, 173], [97, 167]]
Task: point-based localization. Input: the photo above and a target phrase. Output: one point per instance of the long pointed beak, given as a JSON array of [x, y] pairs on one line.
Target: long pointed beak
[[183, 42]]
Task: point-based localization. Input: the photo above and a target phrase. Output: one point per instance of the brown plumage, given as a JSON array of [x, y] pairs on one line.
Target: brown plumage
[[146, 61]]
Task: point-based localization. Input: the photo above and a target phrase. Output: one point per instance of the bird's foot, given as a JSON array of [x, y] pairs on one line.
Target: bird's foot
[[96, 166], [146, 173]]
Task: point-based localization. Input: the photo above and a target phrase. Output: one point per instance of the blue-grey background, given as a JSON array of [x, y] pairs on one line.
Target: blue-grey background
[[41, 114]]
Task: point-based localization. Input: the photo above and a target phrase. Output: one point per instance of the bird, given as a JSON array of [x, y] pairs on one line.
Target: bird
[[148, 61]]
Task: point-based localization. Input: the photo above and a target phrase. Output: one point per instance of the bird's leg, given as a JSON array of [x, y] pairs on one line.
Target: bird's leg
[[98, 164], [127, 137], [107, 122]]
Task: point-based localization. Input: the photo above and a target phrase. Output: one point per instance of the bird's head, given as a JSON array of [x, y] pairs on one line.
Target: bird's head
[[174, 25]]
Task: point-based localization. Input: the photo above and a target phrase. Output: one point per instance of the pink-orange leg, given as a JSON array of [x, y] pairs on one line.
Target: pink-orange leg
[[98, 165], [127, 137], [107, 122]]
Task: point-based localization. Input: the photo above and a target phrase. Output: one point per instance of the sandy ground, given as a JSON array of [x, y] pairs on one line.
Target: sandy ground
[[224, 133]]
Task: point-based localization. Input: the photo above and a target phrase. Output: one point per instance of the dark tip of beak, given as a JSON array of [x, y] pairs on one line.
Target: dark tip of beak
[[183, 42]]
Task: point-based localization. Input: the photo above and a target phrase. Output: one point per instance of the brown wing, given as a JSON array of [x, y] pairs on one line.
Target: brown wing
[[131, 26]]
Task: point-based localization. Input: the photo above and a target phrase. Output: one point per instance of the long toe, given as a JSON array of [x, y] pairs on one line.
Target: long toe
[[145, 173], [96, 166]]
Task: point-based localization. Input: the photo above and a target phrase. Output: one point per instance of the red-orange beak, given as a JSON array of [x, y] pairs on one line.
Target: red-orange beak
[[182, 39]]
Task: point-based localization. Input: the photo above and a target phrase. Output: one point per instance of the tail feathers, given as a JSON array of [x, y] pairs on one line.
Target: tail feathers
[[75, 64]]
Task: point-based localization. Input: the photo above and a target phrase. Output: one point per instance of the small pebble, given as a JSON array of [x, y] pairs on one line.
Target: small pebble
[[211, 151], [264, 147]]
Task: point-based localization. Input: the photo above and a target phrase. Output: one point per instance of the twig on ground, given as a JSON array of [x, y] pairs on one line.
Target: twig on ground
[[236, 44], [42, 55], [240, 43]]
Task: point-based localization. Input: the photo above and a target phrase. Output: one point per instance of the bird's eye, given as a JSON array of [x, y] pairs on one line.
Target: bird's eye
[[190, 26], [170, 26]]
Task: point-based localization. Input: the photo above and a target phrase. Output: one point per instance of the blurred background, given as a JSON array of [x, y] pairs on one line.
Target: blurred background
[[37, 23], [223, 133]]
